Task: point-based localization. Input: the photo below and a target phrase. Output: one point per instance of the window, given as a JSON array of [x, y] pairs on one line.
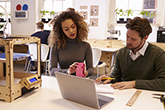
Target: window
[[141, 8], [57, 5], [7, 6]]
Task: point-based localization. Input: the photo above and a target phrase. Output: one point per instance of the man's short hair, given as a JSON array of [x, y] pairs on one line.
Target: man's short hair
[[40, 25], [141, 25]]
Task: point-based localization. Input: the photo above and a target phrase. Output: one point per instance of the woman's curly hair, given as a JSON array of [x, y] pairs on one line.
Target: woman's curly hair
[[141, 25], [57, 36]]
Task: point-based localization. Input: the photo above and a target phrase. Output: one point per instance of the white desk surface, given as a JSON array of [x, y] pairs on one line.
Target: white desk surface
[[108, 49], [48, 97]]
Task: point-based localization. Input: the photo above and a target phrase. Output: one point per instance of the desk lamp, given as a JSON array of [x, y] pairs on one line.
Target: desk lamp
[[4, 27]]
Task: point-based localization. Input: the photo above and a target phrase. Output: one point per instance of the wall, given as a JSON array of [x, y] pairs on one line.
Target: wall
[[23, 26], [107, 17], [100, 31]]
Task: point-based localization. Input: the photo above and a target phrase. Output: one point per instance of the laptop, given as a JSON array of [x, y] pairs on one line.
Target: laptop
[[81, 90]]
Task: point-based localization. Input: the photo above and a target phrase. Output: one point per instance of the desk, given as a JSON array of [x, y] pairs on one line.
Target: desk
[[48, 97], [111, 50]]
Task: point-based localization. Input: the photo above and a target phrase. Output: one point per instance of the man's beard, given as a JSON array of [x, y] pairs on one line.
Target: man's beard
[[135, 47]]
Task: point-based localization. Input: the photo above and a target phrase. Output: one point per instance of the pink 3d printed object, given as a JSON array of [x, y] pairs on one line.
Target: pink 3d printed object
[[80, 70]]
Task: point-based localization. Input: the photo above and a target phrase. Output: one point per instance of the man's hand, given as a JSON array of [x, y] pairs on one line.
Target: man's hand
[[123, 85], [101, 78]]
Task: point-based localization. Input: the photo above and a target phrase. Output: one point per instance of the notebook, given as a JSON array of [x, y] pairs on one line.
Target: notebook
[[104, 88], [81, 90]]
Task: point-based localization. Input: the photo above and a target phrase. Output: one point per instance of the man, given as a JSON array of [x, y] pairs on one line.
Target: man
[[43, 35], [139, 65]]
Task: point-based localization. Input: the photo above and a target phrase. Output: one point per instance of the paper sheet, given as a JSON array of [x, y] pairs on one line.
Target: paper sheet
[[104, 88]]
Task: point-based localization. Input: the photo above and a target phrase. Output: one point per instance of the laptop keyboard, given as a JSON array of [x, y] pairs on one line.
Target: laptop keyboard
[[102, 102]]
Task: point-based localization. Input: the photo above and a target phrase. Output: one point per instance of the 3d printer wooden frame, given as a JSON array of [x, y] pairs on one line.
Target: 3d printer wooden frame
[[11, 90]]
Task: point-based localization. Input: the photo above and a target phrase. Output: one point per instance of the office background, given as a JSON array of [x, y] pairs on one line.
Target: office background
[[106, 16]]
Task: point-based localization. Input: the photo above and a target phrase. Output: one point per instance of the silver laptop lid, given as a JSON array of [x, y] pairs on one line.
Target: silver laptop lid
[[77, 89], [80, 90]]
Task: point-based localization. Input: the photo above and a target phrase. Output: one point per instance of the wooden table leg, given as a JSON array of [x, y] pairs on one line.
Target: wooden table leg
[[1, 70]]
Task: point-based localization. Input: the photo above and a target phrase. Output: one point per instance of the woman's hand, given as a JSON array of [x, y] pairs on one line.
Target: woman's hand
[[86, 74], [102, 78], [72, 68]]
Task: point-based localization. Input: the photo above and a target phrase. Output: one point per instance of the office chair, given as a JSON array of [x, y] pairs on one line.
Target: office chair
[[96, 52], [44, 54]]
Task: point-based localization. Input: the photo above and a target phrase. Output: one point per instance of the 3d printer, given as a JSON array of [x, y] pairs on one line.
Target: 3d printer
[[13, 83]]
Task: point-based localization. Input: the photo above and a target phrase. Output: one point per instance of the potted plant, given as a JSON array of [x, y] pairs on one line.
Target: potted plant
[[43, 13], [129, 12], [52, 14], [1, 26], [148, 14], [121, 13], [1, 19]]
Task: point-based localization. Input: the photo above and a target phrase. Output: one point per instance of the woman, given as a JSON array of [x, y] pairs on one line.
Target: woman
[[67, 43]]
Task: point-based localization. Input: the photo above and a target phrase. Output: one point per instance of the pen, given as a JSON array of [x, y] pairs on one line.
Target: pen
[[107, 78]]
